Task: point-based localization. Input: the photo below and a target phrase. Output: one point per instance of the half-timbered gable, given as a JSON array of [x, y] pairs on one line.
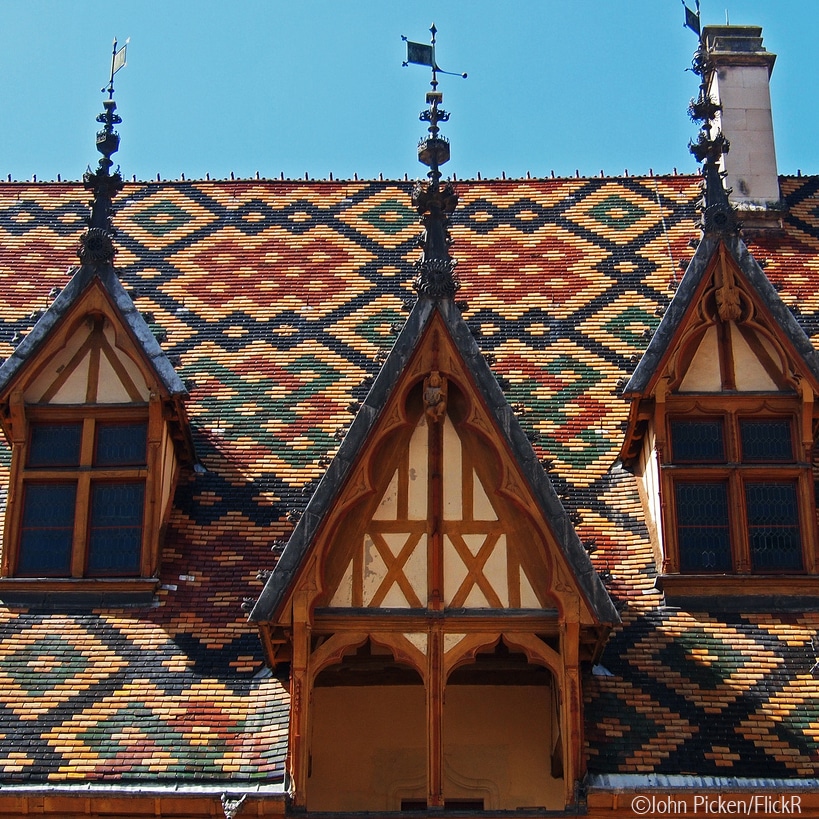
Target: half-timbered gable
[[436, 557]]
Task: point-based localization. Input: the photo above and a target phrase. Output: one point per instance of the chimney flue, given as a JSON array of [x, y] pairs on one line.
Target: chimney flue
[[739, 82]]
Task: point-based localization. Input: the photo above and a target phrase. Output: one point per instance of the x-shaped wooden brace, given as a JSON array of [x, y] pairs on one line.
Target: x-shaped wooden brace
[[474, 567], [395, 569]]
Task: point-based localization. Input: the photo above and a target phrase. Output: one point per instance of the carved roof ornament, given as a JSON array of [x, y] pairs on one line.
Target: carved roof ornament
[[96, 246], [435, 271], [718, 215], [728, 295]]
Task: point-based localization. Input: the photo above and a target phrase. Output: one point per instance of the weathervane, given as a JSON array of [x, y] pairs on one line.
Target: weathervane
[[96, 247], [435, 276], [711, 144]]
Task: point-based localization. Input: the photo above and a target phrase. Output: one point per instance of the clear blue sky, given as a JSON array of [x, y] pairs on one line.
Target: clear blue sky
[[317, 86]]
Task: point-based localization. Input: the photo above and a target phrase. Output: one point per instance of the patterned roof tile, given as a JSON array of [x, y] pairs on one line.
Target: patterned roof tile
[[280, 298]]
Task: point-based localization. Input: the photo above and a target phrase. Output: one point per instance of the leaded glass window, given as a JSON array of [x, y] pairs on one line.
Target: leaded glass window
[[737, 490], [115, 528], [83, 498], [766, 440], [47, 530], [773, 526], [120, 444], [703, 532], [697, 441], [54, 445]]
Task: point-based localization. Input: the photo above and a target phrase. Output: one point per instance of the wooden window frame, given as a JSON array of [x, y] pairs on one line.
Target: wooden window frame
[[736, 473], [85, 475]]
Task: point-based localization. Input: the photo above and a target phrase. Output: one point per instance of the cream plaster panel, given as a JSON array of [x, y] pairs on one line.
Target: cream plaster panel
[[453, 489], [704, 375], [474, 542], [483, 509], [419, 640], [475, 599], [749, 373], [395, 598], [650, 469], [75, 388], [454, 570], [343, 596], [130, 367], [452, 640], [110, 390], [56, 365], [415, 569], [497, 743], [418, 472], [388, 507], [495, 571], [374, 570], [528, 598], [368, 748]]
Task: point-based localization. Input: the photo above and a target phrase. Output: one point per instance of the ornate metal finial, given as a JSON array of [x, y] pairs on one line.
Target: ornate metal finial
[[718, 215], [96, 246], [435, 277]]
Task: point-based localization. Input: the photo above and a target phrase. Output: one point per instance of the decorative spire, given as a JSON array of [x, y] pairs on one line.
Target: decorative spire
[[96, 246], [718, 215], [435, 277]]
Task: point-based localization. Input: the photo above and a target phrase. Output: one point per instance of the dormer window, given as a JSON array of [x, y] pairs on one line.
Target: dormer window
[[83, 498], [735, 483]]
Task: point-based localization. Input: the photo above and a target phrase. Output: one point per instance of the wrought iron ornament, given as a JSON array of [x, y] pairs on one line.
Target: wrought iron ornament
[[718, 215], [96, 245], [435, 270]]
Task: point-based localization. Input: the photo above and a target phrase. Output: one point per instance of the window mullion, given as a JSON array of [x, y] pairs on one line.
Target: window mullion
[[807, 516], [81, 524], [739, 523]]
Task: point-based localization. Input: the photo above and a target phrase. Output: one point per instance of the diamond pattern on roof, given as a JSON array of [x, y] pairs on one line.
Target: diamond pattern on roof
[[280, 298]]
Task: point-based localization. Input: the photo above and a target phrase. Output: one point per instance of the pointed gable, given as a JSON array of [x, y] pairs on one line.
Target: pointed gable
[[504, 540], [94, 412], [726, 330], [95, 348]]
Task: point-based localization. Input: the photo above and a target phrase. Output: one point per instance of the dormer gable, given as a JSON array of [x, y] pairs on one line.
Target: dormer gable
[[435, 544], [721, 431], [94, 413], [487, 474]]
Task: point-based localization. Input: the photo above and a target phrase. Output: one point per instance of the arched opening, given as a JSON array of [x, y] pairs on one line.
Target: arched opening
[[368, 737], [501, 734]]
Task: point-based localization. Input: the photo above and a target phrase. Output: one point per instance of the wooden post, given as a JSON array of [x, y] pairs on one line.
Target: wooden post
[[299, 700], [435, 714], [571, 707]]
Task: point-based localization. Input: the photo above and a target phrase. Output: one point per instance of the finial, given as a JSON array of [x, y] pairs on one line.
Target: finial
[[96, 247], [436, 276], [718, 216]]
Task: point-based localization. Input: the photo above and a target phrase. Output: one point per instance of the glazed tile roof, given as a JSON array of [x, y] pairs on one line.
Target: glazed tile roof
[[280, 300]]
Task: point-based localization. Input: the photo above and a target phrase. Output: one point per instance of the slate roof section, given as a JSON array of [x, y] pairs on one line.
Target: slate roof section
[[279, 297]]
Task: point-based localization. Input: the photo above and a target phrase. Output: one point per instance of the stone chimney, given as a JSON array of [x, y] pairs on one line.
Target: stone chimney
[[739, 82]]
